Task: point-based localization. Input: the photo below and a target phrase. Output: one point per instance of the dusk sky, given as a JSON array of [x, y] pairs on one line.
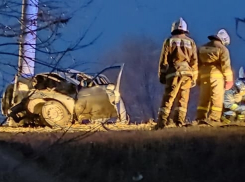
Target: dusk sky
[[116, 19]]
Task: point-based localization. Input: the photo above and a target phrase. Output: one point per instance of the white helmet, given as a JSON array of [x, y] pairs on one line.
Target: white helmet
[[223, 36], [179, 25], [240, 85], [241, 73]]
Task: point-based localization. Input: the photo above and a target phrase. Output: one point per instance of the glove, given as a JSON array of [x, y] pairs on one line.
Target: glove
[[241, 109], [237, 98], [162, 78], [228, 85], [193, 83]]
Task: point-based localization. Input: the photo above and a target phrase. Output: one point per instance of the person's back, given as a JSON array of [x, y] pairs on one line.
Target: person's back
[[214, 61], [178, 70], [180, 50], [215, 76]]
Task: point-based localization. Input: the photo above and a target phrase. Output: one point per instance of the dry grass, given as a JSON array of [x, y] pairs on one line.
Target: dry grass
[[178, 154], [82, 127]]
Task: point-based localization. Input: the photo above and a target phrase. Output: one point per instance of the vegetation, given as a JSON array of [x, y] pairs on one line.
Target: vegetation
[[192, 154]]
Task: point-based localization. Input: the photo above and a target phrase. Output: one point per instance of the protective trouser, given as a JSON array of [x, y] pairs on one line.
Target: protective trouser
[[228, 117], [211, 99], [232, 116], [176, 88], [240, 117]]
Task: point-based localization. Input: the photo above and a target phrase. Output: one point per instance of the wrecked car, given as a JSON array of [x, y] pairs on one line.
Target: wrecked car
[[60, 98]]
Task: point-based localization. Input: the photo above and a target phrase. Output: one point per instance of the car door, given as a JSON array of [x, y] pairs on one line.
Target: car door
[[102, 98]]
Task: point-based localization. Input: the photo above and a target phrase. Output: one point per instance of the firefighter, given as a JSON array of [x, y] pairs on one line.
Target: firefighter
[[178, 71], [215, 76], [234, 106]]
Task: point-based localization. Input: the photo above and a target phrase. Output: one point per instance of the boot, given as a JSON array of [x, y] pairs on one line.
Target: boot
[[240, 118], [10, 123], [201, 122], [179, 118], [161, 122], [194, 123], [170, 124], [214, 123], [227, 119]]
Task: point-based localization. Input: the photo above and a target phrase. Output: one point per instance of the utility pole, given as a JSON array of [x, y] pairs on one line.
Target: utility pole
[[27, 44]]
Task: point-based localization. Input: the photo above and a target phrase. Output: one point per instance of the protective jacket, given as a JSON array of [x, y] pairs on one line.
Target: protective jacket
[[214, 71], [178, 66], [234, 101], [178, 57], [234, 105], [214, 61]]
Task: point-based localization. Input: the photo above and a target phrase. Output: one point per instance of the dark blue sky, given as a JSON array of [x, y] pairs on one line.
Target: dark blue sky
[[118, 18], [153, 18]]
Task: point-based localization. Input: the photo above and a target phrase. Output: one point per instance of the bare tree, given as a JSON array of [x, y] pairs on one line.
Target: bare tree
[[140, 89], [52, 16], [239, 28]]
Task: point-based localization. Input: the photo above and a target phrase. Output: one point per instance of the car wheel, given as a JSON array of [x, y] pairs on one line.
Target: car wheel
[[55, 114]]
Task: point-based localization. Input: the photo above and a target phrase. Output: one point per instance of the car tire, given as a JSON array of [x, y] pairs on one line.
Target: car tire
[[55, 114]]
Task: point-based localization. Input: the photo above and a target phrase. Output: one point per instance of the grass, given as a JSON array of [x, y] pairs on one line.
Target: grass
[[177, 154]]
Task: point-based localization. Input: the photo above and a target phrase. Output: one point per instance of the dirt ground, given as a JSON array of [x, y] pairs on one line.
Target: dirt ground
[[171, 155]]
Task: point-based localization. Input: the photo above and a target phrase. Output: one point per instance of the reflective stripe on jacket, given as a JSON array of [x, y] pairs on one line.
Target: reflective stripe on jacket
[[214, 61], [179, 53]]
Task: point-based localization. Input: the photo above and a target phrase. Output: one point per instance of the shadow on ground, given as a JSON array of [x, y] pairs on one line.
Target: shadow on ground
[[171, 155]]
